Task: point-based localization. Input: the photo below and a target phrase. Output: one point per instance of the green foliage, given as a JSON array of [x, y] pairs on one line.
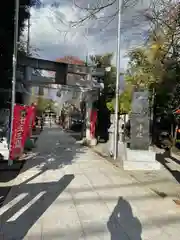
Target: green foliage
[[156, 65], [44, 104], [110, 106], [109, 79], [124, 102], [110, 84]]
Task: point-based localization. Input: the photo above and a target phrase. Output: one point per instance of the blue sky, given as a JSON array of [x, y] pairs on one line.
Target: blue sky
[[53, 37]]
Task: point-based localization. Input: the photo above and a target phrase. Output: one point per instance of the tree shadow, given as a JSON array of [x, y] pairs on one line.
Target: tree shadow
[[174, 159], [75, 134], [3, 193], [161, 158], [27, 205], [122, 225], [7, 174], [54, 150]]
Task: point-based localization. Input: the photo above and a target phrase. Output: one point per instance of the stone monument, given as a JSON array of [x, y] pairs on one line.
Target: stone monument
[[140, 121], [139, 156]]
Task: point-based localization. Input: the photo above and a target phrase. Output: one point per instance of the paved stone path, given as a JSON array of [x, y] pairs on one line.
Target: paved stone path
[[166, 181], [68, 192]]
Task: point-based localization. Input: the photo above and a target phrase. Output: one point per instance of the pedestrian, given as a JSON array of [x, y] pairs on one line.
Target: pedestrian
[[62, 119]]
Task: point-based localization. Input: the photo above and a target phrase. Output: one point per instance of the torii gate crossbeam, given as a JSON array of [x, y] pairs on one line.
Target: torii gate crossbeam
[[61, 69]]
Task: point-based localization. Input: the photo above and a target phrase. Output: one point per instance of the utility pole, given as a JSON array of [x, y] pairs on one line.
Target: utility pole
[[116, 119], [87, 51], [28, 35], [13, 93], [27, 69]]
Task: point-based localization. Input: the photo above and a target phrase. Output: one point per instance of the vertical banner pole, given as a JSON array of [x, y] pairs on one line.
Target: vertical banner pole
[[117, 83], [13, 94]]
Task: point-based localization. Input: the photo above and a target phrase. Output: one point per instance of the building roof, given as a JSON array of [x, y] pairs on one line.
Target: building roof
[[71, 60]]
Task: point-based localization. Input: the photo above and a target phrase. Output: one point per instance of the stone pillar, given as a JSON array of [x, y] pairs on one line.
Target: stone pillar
[[91, 97], [88, 112], [61, 74], [111, 136], [27, 95], [139, 156]]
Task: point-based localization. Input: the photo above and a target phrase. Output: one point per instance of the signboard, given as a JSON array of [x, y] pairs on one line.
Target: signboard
[[140, 121], [20, 130]]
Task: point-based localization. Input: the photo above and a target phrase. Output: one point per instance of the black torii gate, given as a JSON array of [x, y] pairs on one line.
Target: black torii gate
[[61, 69]]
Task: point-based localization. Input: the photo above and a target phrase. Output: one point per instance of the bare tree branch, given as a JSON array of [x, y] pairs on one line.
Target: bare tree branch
[[93, 10]]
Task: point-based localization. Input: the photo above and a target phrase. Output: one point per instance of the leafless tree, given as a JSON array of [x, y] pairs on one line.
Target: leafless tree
[[92, 10], [164, 17]]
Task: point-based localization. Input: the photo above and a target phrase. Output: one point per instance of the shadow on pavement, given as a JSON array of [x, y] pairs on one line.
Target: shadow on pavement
[[75, 134], [3, 193], [122, 222], [55, 149], [175, 159], [7, 174], [161, 158], [30, 202]]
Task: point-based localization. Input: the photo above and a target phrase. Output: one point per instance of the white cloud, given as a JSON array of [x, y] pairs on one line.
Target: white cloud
[[52, 35]]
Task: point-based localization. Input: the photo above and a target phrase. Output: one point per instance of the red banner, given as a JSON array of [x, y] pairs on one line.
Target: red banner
[[21, 129], [93, 119]]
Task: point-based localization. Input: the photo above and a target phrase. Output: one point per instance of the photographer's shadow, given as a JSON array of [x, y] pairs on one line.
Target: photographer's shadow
[[122, 225]]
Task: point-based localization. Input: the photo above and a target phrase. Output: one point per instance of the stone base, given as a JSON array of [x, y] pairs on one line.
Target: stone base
[[140, 160], [93, 142], [144, 166], [121, 150], [88, 142]]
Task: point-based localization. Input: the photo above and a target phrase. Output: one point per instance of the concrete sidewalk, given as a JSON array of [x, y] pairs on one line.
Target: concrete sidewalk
[[69, 192], [165, 182]]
